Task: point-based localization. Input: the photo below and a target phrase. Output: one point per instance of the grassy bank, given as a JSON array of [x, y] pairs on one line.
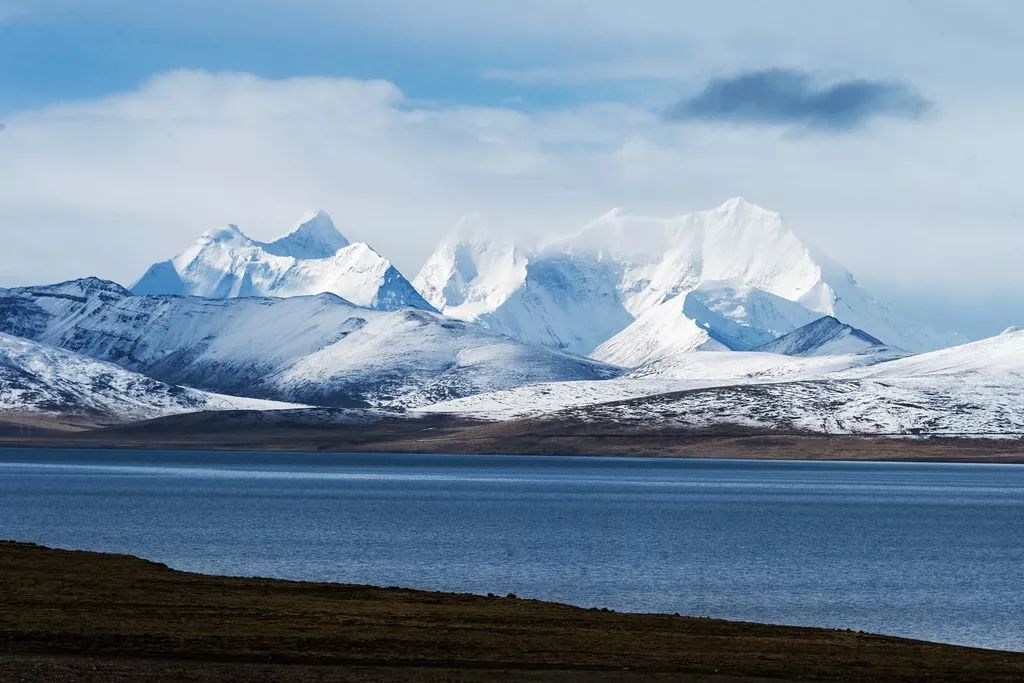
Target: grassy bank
[[71, 615]]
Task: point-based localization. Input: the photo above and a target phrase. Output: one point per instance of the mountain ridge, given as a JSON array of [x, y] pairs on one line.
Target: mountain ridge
[[40, 379], [581, 290], [319, 350], [312, 258], [825, 336]]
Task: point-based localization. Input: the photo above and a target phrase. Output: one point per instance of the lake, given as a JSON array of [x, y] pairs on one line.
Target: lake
[[933, 551]]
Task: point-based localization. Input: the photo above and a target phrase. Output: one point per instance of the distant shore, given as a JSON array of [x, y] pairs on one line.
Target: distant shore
[[246, 430], [73, 615]]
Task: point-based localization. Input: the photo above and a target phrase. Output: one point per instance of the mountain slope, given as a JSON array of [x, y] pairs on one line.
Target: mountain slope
[[713, 316], [579, 291], [313, 258], [680, 372], [998, 359], [972, 389], [40, 379], [826, 336], [472, 272], [317, 350], [838, 406]]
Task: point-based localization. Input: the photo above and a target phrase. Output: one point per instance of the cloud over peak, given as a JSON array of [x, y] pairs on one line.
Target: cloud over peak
[[794, 98]]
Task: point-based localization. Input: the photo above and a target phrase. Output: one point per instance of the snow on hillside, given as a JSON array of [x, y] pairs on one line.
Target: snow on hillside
[[972, 389], [713, 316], [621, 284], [681, 372], [317, 350], [860, 407], [825, 336], [40, 379], [473, 271], [999, 359], [313, 258]]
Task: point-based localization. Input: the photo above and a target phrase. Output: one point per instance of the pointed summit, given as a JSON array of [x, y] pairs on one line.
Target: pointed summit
[[739, 214], [312, 237], [823, 337], [313, 258], [226, 234], [738, 203], [475, 268], [580, 290]]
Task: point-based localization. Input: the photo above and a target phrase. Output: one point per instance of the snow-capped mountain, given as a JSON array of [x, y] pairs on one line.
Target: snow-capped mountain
[[43, 380], [620, 288], [713, 316], [473, 271], [313, 349], [826, 336], [313, 258]]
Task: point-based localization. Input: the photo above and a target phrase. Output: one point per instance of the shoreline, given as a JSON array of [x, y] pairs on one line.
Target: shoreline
[[119, 615], [246, 431], [1011, 459]]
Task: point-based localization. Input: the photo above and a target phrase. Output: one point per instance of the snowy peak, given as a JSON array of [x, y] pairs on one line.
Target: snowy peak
[[319, 348], [313, 237], [82, 287], [739, 204], [826, 336], [227, 235], [580, 290], [713, 316], [474, 270], [358, 274], [312, 258]]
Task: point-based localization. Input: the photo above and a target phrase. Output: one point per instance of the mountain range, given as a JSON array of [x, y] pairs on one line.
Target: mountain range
[[317, 349], [40, 380], [714, 317], [313, 258], [629, 290]]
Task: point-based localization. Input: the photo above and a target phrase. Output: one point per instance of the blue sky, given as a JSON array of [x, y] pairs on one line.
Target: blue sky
[[886, 133]]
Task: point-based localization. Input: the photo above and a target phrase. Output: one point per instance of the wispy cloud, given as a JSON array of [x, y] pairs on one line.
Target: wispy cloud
[[103, 186], [793, 97]]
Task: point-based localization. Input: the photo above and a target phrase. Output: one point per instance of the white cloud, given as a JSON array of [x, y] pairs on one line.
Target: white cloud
[[106, 186]]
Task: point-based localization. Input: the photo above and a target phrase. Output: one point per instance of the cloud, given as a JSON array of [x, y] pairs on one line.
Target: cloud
[[792, 97], [106, 186]]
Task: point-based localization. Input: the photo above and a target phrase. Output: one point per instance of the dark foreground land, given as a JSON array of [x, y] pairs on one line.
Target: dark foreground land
[[326, 430], [69, 615]]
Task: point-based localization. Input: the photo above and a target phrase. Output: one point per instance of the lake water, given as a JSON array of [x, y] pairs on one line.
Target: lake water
[[921, 550]]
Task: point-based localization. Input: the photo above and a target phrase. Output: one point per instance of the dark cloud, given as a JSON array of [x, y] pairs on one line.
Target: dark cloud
[[792, 97]]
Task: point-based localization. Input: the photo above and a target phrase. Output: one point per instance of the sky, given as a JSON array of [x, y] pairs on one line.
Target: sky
[[886, 134]]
